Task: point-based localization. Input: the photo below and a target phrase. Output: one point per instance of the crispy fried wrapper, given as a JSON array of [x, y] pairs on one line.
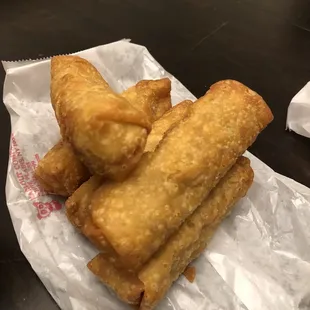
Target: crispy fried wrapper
[[60, 172], [167, 121], [152, 97], [107, 133], [158, 274], [78, 205], [78, 212], [138, 215], [127, 285], [185, 245]]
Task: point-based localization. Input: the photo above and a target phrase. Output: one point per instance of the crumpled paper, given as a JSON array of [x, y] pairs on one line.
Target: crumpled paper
[[298, 114], [258, 259]]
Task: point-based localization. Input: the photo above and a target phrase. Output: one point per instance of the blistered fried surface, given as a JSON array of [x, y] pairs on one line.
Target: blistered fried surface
[[185, 245], [138, 215], [150, 96], [78, 213], [106, 131], [78, 205], [166, 122], [60, 172], [126, 285]]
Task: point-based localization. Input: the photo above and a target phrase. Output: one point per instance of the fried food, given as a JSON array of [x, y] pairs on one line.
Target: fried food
[[138, 215], [127, 285], [107, 133], [158, 274], [166, 122], [150, 96], [192, 237], [61, 172], [184, 175], [78, 205]]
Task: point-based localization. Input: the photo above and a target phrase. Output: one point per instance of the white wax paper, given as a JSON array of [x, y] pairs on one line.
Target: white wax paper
[[298, 114], [258, 259]]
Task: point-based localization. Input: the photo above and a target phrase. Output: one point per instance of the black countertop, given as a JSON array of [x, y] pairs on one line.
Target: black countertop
[[265, 44]]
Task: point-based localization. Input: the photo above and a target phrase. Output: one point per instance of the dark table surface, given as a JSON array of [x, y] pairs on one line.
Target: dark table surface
[[262, 43]]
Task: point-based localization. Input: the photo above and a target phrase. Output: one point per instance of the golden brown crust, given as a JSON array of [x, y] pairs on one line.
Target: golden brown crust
[[138, 215], [188, 242], [78, 212], [126, 285], [78, 205], [150, 96], [167, 122], [72, 173], [158, 274], [60, 172], [257, 103], [106, 131]]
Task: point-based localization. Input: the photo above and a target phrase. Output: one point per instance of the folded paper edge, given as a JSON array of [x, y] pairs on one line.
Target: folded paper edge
[[14, 64]]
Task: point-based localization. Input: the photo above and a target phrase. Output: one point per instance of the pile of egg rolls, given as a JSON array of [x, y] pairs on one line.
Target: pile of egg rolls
[[148, 184]]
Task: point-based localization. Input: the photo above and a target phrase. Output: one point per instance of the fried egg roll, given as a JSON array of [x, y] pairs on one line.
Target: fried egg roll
[[158, 274], [138, 215], [187, 243], [107, 133], [61, 172], [78, 205]]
